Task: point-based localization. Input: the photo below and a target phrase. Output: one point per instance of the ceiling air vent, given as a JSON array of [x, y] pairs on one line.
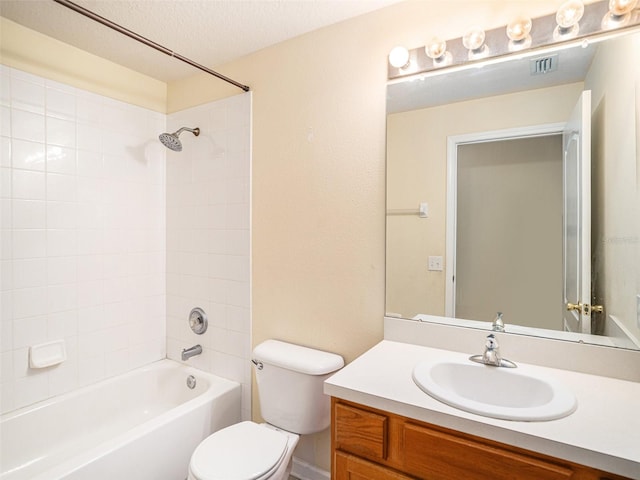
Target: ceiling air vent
[[544, 64]]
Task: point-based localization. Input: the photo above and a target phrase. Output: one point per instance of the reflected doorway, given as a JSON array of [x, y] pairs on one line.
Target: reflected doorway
[[508, 230]]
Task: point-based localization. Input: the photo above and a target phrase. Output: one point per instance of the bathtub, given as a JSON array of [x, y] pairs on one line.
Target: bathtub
[[142, 425]]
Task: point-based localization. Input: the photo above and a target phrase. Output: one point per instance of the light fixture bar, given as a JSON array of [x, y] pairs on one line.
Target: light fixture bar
[[499, 45], [150, 43]]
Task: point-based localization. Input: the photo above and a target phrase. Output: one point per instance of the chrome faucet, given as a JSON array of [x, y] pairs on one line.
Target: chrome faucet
[[498, 323], [491, 355], [187, 353]]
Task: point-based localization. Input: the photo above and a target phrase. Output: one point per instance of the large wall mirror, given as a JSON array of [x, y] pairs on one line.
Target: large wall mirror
[[515, 191]]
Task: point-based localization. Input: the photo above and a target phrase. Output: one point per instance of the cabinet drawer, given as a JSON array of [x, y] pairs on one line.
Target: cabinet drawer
[[361, 432], [349, 467], [440, 456]]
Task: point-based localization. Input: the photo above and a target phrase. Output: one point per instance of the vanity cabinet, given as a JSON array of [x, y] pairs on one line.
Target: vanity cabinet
[[372, 444]]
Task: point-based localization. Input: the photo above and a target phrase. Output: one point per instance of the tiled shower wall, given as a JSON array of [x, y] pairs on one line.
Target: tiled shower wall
[[90, 224], [83, 235], [208, 238]]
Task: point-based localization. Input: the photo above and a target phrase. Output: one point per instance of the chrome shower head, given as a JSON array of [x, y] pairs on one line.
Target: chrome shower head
[[171, 140]]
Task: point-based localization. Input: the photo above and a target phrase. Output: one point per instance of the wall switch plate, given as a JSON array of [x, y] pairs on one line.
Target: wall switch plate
[[638, 310], [435, 264]]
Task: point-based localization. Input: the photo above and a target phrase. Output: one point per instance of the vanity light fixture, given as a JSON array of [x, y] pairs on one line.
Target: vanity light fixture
[[576, 21], [436, 50], [399, 57], [619, 13], [518, 31], [568, 19], [473, 41]]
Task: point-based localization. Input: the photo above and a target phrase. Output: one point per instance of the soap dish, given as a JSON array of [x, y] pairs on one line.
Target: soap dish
[[47, 354]]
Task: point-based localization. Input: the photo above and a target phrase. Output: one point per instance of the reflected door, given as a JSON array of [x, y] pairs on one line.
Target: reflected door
[[577, 217]]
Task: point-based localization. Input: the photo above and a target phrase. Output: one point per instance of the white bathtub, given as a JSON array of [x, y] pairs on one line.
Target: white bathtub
[[142, 425]]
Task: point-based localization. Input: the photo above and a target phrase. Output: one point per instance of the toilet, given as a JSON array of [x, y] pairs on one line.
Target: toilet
[[290, 386]]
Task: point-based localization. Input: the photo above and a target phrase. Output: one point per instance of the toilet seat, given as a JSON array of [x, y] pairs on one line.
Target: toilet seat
[[244, 451]]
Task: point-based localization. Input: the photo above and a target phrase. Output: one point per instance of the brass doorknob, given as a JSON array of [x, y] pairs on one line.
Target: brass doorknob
[[574, 306], [597, 308]]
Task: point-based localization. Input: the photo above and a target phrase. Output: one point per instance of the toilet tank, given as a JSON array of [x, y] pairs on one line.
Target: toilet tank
[[290, 385]]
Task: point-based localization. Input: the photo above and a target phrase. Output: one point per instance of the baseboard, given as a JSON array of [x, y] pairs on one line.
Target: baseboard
[[305, 471]]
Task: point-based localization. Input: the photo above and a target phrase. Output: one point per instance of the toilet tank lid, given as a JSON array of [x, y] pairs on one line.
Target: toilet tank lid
[[297, 358]]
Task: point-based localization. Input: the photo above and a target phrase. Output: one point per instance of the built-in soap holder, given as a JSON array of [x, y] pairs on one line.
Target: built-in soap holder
[[47, 354]]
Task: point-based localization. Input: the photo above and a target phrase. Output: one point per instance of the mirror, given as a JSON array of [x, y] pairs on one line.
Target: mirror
[[480, 221]]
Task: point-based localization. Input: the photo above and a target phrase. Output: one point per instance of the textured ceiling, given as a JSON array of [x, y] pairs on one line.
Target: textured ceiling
[[209, 32]]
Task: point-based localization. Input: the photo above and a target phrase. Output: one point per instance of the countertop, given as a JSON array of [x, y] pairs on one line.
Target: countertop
[[603, 433]]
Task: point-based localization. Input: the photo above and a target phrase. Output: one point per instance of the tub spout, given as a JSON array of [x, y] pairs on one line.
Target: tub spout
[[187, 353]]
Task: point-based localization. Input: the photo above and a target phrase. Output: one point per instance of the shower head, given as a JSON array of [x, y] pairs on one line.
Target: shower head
[[171, 140]]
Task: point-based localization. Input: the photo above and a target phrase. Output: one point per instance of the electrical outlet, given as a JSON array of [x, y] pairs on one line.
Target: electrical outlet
[[435, 264]]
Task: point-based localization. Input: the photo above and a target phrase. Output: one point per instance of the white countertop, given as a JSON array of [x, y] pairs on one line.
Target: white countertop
[[604, 431]]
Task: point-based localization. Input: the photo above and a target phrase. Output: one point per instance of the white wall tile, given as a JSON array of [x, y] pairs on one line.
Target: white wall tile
[[61, 187], [29, 243], [29, 273], [62, 215], [61, 243], [29, 331], [61, 270], [28, 185], [29, 214], [5, 152], [6, 275], [28, 155], [6, 180], [27, 126], [60, 102], [26, 95], [61, 160]]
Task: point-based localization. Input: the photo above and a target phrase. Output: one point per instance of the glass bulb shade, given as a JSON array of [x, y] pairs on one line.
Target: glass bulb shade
[[399, 57], [621, 7], [435, 48], [474, 38], [570, 13], [519, 29]]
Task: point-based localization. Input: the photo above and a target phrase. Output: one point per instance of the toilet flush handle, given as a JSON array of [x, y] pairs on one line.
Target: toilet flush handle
[[258, 365]]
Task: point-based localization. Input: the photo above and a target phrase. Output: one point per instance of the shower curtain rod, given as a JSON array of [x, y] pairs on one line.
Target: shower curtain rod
[[118, 28]]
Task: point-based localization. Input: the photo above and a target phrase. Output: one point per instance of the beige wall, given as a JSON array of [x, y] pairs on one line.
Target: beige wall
[[615, 239], [416, 172], [41, 55]]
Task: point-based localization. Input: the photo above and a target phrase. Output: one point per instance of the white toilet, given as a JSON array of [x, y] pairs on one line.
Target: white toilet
[[290, 385]]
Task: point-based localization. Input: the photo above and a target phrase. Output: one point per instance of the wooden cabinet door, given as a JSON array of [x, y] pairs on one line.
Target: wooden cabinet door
[[350, 467]]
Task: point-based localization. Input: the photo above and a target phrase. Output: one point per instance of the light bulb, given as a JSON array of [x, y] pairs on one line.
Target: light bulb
[[568, 19], [435, 48], [399, 57], [570, 13], [474, 38], [619, 13], [621, 7], [519, 29], [473, 41]]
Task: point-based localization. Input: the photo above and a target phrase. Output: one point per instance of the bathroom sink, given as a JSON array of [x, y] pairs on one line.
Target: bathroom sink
[[496, 392]]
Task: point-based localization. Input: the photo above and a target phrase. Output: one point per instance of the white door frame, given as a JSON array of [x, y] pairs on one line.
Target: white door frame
[[452, 190]]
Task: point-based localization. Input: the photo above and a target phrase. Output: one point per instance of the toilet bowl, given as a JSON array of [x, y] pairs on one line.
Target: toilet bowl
[[244, 451], [290, 382]]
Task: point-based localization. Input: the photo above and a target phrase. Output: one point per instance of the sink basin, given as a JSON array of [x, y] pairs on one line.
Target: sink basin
[[496, 392]]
